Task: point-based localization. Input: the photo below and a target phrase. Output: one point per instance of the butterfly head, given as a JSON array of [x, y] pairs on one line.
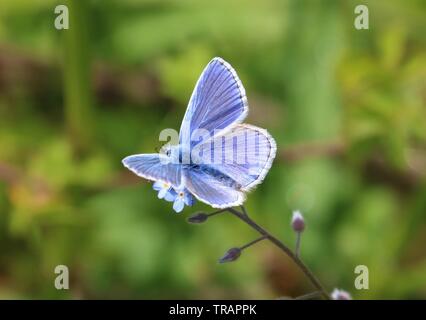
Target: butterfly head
[[172, 152], [176, 154]]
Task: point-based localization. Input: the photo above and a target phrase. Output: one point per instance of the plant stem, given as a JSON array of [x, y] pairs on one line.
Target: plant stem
[[309, 296], [297, 249], [216, 212], [312, 278], [253, 242]]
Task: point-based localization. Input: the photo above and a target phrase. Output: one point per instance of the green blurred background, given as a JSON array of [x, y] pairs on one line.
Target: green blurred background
[[346, 107]]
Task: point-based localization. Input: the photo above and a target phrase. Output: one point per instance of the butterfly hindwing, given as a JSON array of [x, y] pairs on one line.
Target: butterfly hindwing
[[211, 189], [244, 154]]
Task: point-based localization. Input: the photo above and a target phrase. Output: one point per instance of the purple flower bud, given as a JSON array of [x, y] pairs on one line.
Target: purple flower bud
[[297, 221], [198, 217], [230, 255], [338, 294]]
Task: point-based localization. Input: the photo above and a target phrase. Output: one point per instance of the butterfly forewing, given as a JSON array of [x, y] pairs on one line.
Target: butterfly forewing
[[154, 167], [217, 102]]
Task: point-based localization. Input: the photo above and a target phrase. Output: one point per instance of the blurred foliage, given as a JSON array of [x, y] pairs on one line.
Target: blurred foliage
[[311, 77]]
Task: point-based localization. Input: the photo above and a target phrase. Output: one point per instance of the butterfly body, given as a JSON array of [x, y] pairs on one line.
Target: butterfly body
[[218, 159], [216, 174]]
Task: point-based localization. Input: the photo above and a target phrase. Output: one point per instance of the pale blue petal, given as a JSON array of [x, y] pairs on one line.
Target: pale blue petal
[[162, 193], [158, 185], [178, 205], [170, 195], [188, 199]]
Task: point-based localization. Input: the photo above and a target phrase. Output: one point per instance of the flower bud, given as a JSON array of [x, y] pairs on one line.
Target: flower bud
[[338, 294], [230, 255], [297, 221], [198, 217]]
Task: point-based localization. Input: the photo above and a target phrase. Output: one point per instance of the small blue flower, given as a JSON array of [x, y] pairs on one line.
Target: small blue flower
[[183, 198], [165, 191], [180, 197]]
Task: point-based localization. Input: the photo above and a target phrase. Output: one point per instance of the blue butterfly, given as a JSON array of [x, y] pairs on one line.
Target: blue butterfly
[[218, 159]]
